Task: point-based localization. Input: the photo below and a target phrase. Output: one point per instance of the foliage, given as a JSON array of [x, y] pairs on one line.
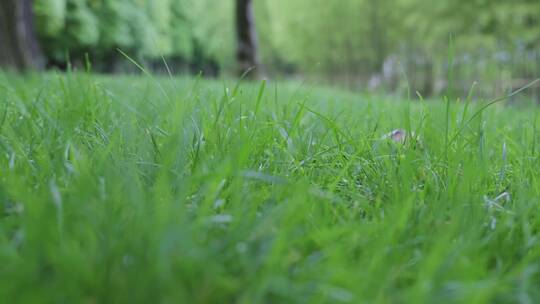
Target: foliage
[[324, 30], [145, 29], [52, 15]]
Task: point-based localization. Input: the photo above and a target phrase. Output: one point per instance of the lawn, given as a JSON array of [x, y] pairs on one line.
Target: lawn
[[133, 189]]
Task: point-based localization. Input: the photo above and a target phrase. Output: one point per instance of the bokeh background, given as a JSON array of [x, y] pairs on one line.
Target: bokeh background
[[391, 46]]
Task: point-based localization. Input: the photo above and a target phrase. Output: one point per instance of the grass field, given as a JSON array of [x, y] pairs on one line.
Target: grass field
[[136, 190]]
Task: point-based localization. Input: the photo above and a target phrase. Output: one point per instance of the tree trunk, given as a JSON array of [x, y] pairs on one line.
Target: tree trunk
[[429, 76], [246, 53], [19, 47], [378, 34]]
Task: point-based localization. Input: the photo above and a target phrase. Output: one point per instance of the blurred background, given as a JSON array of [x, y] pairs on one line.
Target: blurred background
[[391, 46]]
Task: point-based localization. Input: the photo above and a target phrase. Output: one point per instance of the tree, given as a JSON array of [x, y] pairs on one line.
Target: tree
[[246, 52], [19, 47]]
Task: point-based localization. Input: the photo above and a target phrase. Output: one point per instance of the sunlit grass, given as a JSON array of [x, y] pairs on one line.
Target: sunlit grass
[[122, 191]]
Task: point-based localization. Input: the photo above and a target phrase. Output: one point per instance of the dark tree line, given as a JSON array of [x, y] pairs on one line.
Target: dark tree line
[[19, 46]]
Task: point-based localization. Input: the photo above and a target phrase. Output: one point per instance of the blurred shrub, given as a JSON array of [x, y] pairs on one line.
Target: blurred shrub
[[193, 33], [53, 16]]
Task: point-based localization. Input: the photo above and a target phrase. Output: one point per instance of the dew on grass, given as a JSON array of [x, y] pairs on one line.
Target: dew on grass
[[12, 161], [221, 219], [219, 203]]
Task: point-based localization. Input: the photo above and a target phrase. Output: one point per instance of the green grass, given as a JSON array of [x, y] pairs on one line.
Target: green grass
[[130, 190]]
